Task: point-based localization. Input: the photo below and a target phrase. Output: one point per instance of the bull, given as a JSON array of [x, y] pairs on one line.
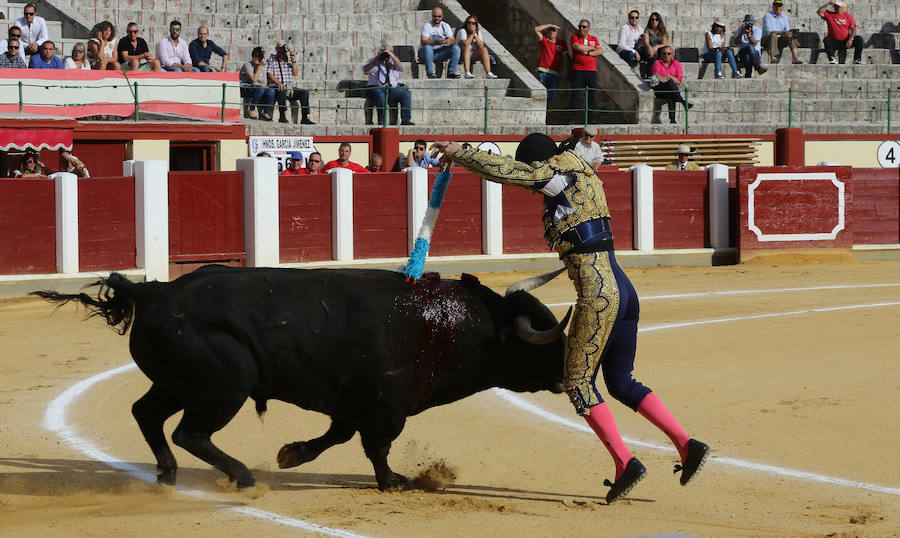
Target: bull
[[362, 346]]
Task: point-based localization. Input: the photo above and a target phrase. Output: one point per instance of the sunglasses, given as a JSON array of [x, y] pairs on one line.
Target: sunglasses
[[132, 31], [471, 22], [173, 29], [29, 13], [13, 47], [583, 26], [419, 148], [634, 18], [78, 51], [437, 16], [314, 160]]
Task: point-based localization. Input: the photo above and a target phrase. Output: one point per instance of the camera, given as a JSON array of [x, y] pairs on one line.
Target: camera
[[383, 56]]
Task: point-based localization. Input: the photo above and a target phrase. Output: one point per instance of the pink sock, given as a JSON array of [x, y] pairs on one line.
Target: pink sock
[[604, 425], [653, 410]]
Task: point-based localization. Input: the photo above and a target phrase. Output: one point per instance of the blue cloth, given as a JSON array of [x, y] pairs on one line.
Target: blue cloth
[[749, 56], [259, 96], [741, 38], [716, 57], [428, 54], [200, 54], [778, 24], [551, 82], [37, 62]]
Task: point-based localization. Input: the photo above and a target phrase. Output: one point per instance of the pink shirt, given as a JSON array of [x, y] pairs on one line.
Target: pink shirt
[[673, 70]]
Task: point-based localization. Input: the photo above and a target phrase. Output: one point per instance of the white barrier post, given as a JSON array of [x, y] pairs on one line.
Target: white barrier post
[[717, 176], [341, 214], [260, 211], [128, 168], [416, 201], [492, 217], [642, 185], [66, 222], [151, 219]]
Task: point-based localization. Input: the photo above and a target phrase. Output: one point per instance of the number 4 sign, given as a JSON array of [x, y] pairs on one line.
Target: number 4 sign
[[889, 154]]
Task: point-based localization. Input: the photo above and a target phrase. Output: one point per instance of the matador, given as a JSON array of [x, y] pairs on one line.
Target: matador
[[603, 333]]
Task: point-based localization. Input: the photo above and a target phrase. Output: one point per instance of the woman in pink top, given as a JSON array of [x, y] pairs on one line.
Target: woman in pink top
[[670, 75]]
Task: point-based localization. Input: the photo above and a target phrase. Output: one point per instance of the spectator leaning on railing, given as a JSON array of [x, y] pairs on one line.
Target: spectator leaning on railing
[[173, 51], [589, 150], [343, 160], [47, 59], [78, 59], [134, 52], [550, 60], [11, 58], [748, 39], [841, 32], [777, 34], [14, 32], [294, 165], [682, 160], [630, 35], [102, 47], [375, 162], [202, 49], [34, 29], [419, 156], [72, 164], [314, 163]]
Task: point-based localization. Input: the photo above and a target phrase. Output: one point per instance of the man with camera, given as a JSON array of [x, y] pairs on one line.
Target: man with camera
[[748, 40], [777, 34], [281, 70], [383, 71]]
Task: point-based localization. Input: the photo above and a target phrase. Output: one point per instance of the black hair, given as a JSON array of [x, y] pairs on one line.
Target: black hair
[[536, 147]]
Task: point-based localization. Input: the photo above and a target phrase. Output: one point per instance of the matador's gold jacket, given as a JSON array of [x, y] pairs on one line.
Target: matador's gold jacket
[[584, 194]]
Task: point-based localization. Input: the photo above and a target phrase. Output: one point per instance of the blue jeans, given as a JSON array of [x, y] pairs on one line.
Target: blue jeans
[[750, 58], [173, 68], [715, 56], [259, 96], [205, 69], [629, 57], [551, 82], [428, 55], [398, 94]]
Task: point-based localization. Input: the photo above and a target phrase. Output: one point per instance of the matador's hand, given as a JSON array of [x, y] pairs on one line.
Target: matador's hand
[[447, 148]]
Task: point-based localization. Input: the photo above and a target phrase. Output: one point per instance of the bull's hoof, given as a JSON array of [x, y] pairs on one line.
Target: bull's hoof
[[392, 481], [246, 481], [166, 477], [294, 454]]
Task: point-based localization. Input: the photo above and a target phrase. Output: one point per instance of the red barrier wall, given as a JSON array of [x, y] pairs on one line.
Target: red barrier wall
[[305, 218], [523, 230], [680, 209], [458, 228], [875, 213], [106, 224], [27, 226], [620, 199], [380, 215]]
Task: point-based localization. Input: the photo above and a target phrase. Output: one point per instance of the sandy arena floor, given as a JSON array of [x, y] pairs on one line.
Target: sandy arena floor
[[793, 383]]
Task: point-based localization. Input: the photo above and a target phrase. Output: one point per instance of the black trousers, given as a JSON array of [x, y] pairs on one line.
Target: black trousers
[[300, 95], [670, 92], [832, 45], [579, 81]]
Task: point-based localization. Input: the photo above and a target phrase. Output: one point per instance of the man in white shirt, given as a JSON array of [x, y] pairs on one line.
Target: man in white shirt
[[777, 34], [14, 33], [589, 150], [438, 44], [173, 52], [628, 36], [34, 29]]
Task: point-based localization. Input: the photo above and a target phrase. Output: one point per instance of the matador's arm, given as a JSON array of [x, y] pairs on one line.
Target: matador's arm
[[504, 169]]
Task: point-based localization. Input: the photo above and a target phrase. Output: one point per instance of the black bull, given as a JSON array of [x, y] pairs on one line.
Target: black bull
[[362, 346]]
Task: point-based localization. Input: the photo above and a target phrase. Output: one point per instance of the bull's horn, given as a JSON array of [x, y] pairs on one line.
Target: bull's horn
[[527, 333], [533, 282]]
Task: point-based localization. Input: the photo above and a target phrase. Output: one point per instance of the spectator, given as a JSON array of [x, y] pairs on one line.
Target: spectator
[[343, 160], [14, 32], [34, 30], [202, 49], [72, 164], [747, 38], [682, 161], [314, 163], [11, 58], [173, 52], [469, 40], [655, 37], [253, 86], [436, 40], [281, 70], [551, 57], [671, 75], [589, 150], [264, 154], [841, 32], [295, 165], [78, 59], [714, 48], [134, 52], [101, 47], [31, 166], [585, 49], [375, 162], [630, 34], [47, 59], [383, 71], [419, 156], [777, 34]]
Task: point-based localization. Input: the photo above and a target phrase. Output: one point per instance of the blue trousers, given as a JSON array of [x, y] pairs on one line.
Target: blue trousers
[[551, 82], [715, 56], [259, 96], [749, 56], [428, 54]]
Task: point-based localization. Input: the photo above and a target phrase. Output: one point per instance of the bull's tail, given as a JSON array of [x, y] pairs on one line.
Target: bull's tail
[[114, 302]]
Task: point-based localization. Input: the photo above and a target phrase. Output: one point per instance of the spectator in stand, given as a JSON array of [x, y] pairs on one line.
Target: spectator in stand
[[101, 50], [31, 166], [202, 49], [671, 75], [715, 47], [551, 57], [375, 162], [314, 163], [419, 156], [34, 30], [11, 58], [682, 161], [437, 44], [748, 39], [47, 59], [383, 70], [173, 52], [655, 37], [281, 70], [589, 150], [777, 34], [14, 33], [841, 32], [72, 164], [469, 40], [585, 48], [253, 87], [343, 160], [134, 52], [78, 59], [630, 34], [295, 165]]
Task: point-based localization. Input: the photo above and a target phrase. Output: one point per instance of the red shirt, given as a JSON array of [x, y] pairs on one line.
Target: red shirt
[[839, 24], [580, 60], [300, 172], [350, 165], [551, 55]]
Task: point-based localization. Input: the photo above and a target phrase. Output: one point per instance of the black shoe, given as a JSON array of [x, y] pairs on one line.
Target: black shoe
[[432, 76], [283, 119], [406, 123], [307, 121], [697, 452], [689, 106], [454, 75], [633, 474]]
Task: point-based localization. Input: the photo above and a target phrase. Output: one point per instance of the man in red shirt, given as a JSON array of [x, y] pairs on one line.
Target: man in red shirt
[[551, 58], [585, 49], [294, 165], [343, 160], [841, 32]]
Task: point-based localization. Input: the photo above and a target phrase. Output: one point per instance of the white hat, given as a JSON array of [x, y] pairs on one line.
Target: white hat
[[590, 131], [684, 149]]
